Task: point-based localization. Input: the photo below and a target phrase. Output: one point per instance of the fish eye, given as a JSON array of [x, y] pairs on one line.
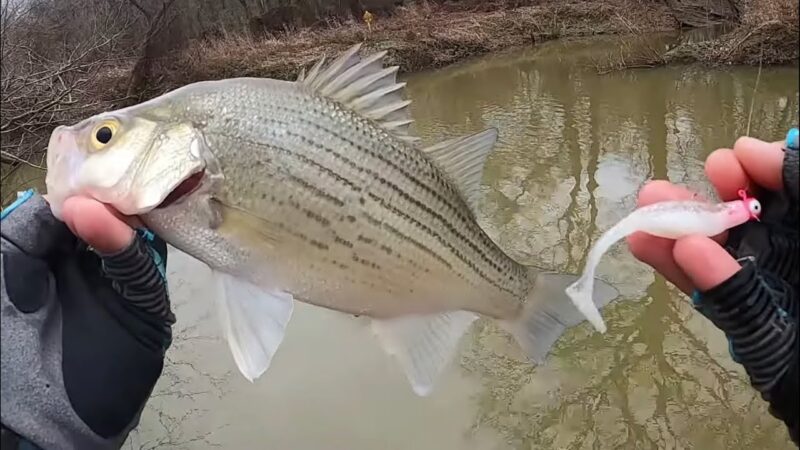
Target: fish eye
[[755, 206], [103, 133]]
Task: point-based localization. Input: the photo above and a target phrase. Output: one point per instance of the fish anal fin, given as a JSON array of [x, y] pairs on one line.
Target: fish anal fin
[[365, 86], [423, 345], [254, 322], [462, 159]]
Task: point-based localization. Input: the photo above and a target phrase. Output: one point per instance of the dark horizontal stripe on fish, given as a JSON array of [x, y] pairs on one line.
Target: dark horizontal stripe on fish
[[319, 192], [380, 224], [385, 282], [388, 250], [341, 241], [444, 242], [292, 232], [365, 240], [365, 262], [316, 217]]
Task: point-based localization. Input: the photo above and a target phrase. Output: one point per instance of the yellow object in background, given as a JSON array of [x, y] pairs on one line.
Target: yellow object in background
[[368, 19]]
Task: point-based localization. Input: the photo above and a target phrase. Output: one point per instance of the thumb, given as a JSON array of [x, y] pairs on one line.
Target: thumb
[[97, 225], [704, 261]]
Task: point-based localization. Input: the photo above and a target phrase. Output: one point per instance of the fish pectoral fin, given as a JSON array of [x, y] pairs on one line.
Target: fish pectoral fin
[[364, 86], [462, 159], [424, 345], [254, 322], [255, 229]]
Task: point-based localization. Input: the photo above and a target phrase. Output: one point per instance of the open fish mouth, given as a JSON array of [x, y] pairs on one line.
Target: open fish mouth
[[184, 189]]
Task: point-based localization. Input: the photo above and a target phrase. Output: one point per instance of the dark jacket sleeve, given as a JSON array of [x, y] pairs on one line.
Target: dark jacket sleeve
[[758, 308], [115, 316]]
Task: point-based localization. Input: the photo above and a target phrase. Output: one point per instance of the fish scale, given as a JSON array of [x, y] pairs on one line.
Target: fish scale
[[316, 191]]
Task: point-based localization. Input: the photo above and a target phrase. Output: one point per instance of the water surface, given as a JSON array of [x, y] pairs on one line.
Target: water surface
[[574, 149]]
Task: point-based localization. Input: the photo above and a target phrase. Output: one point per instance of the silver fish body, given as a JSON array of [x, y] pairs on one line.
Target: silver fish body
[[352, 217], [316, 191]]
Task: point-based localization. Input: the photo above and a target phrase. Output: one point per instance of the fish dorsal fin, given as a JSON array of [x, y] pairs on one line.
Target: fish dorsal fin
[[364, 86], [463, 159]]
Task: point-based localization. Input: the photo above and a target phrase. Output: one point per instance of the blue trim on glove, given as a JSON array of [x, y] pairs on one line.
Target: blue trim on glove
[[792, 139], [148, 237], [20, 200]]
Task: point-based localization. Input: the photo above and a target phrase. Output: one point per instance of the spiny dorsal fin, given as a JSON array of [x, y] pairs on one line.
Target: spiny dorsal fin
[[364, 86], [462, 159]]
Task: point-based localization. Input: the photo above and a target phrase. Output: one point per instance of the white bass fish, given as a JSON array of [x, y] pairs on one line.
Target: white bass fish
[[316, 191]]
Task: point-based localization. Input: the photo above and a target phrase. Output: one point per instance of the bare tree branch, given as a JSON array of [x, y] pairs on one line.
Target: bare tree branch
[[147, 15]]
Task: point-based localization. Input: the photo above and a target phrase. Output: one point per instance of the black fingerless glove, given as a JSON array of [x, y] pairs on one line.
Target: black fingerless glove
[[84, 334], [757, 308]]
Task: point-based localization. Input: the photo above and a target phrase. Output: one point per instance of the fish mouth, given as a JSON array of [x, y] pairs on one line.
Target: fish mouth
[[184, 189]]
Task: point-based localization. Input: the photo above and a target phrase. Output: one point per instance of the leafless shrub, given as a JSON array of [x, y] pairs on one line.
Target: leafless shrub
[[45, 85]]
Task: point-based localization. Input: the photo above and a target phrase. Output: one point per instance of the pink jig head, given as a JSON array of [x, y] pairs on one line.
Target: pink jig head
[[752, 205]]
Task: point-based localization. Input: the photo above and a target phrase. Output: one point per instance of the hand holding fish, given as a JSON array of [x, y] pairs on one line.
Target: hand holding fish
[[98, 224], [744, 280], [87, 301]]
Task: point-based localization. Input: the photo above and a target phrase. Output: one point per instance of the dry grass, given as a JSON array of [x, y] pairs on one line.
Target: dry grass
[[420, 37], [768, 33]]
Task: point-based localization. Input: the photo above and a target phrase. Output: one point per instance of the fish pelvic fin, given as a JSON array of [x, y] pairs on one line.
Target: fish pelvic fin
[[462, 159], [423, 345], [548, 312], [364, 86], [253, 320]]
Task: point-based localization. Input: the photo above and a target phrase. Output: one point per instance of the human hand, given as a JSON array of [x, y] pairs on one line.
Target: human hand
[[744, 280], [698, 262], [99, 225], [108, 308]]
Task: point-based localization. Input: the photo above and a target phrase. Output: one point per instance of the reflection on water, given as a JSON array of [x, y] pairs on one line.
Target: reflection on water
[[574, 148]]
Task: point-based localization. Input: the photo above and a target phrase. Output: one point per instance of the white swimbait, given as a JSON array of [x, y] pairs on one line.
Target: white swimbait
[[671, 220]]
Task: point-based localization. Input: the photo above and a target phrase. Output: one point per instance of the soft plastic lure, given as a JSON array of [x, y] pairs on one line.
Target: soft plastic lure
[[670, 219]]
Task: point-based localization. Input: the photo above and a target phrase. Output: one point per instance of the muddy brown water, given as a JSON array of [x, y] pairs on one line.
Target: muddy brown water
[[574, 148]]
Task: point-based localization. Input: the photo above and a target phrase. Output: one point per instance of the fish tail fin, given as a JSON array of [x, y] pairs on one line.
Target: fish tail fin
[[548, 312]]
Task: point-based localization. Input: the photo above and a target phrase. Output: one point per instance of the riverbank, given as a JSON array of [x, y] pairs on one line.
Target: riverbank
[[424, 36], [427, 36], [418, 36]]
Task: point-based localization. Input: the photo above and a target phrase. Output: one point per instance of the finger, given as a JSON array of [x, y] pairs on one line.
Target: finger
[[97, 224], [704, 261], [726, 173], [655, 251], [662, 190], [763, 161]]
